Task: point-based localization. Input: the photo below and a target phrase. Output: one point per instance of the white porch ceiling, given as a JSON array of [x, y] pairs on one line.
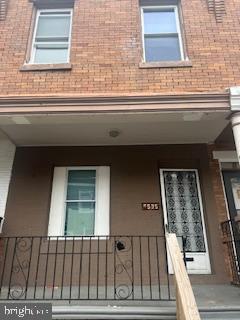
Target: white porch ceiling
[[135, 128]]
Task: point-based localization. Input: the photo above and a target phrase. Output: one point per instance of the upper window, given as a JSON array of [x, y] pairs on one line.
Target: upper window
[[80, 201], [161, 34], [52, 35]]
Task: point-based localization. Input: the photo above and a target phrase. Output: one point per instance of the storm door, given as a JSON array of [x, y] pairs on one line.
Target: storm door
[[183, 215], [232, 189]]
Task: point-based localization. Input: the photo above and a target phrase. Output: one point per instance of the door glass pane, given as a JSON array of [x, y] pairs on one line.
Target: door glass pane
[[81, 185], [183, 208], [235, 182], [51, 55], [80, 218], [53, 26], [160, 21], [162, 49]]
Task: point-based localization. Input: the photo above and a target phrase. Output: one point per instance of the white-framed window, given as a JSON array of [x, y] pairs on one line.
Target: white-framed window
[[161, 34], [80, 201], [52, 37]]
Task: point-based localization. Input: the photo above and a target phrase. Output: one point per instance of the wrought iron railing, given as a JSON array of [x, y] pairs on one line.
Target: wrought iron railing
[[84, 268], [231, 238]]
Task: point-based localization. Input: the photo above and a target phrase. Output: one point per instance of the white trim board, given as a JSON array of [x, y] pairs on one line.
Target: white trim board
[[7, 153], [225, 156], [58, 200]]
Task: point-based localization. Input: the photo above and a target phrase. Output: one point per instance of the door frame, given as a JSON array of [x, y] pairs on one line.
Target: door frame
[[207, 270]]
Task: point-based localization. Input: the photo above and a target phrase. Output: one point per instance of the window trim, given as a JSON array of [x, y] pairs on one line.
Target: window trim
[[33, 44], [102, 205], [177, 19]]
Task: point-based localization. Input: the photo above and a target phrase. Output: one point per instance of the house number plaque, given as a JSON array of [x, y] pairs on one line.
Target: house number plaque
[[150, 206]]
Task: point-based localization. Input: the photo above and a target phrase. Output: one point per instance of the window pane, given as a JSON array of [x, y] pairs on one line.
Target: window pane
[[51, 55], [80, 218], [53, 26], [159, 21], [162, 49], [81, 185]]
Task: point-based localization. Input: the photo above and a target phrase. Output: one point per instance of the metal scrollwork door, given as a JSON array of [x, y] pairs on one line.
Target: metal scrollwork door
[[183, 213]]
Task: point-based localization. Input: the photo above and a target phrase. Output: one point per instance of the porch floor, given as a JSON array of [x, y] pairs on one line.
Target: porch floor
[[217, 296]]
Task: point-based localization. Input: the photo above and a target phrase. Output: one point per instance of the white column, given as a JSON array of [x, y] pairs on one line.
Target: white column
[[235, 107], [7, 152], [236, 132]]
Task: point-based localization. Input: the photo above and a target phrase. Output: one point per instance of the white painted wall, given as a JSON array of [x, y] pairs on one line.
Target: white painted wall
[[7, 152]]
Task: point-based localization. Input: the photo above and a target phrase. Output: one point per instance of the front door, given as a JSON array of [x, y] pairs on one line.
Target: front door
[[232, 189], [183, 214]]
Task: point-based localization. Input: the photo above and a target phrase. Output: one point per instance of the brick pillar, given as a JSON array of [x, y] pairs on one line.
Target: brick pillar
[[1, 242], [1, 251], [217, 186], [219, 200]]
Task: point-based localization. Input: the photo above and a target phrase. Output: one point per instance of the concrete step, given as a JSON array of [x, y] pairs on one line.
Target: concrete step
[[137, 313], [220, 314], [114, 313]]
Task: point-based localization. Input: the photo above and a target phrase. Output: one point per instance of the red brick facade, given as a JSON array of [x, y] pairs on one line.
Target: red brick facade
[[106, 51]]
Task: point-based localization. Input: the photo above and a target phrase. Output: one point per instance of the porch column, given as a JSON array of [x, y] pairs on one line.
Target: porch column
[[235, 119], [7, 152], [236, 132]]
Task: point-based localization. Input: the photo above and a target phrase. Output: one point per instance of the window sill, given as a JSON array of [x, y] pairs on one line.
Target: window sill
[[165, 64], [44, 67], [77, 238]]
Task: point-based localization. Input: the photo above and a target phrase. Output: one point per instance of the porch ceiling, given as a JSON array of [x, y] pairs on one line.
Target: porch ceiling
[[134, 128]]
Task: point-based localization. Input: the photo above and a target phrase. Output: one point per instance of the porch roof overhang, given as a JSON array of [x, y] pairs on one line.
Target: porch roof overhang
[[77, 103], [78, 120]]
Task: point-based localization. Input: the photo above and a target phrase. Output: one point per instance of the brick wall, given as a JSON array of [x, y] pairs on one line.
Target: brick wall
[[106, 51]]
